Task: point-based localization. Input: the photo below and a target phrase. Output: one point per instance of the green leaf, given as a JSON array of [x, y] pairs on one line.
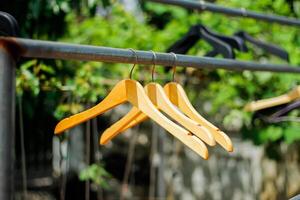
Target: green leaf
[[292, 134], [274, 133], [97, 174]]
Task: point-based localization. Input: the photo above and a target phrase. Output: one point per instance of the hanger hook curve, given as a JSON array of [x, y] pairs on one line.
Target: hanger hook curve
[[174, 66], [153, 66], [135, 63]]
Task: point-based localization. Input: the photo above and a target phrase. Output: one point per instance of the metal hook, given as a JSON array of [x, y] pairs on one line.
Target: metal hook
[[174, 65], [136, 60], [153, 66]]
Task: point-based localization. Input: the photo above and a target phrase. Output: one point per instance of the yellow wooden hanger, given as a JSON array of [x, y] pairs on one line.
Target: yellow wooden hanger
[[275, 101], [179, 98], [158, 97], [133, 118], [131, 91]]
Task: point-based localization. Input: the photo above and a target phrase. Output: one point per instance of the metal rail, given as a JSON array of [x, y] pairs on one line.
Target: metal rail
[[242, 12], [58, 50]]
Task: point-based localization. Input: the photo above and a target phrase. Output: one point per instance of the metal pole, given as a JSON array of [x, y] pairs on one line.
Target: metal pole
[[8, 27], [58, 50], [194, 5], [7, 122]]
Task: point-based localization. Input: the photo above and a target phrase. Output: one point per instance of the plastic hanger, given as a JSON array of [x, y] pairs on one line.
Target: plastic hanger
[[272, 49], [234, 41], [131, 91], [196, 33], [286, 109], [275, 101], [158, 97], [279, 113]]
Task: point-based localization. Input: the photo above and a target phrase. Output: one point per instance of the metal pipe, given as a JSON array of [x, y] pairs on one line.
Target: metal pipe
[[204, 6], [7, 122], [58, 50]]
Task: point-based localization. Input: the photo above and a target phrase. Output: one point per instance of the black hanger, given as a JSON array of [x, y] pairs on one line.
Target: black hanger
[[273, 49], [233, 41], [278, 114], [286, 109], [196, 33]]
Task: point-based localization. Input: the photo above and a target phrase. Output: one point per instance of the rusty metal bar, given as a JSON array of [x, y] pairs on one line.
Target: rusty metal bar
[[58, 50], [242, 12], [7, 123]]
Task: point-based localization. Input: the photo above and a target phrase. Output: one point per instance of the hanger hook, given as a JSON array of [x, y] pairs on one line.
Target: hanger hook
[[174, 66], [136, 60], [153, 66]]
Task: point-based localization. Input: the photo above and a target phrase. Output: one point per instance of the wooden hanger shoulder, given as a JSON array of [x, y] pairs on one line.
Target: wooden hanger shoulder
[[115, 97]]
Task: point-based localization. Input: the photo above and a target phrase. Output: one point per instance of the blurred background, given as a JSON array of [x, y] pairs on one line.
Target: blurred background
[[146, 162]]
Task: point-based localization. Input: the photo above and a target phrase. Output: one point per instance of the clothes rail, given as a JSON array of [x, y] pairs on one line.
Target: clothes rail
[[242, 12], [58, 50]]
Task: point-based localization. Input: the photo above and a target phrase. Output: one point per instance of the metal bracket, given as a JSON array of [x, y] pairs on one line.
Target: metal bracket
[[8, 25]]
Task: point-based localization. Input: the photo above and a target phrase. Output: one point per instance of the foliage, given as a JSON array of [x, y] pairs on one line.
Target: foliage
[[97, 174], [35, 76], [225, 92]]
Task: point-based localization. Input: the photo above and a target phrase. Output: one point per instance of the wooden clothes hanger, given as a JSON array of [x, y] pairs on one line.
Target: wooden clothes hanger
[[131, 91], [275, 101], [158, 97], [176, 94]]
